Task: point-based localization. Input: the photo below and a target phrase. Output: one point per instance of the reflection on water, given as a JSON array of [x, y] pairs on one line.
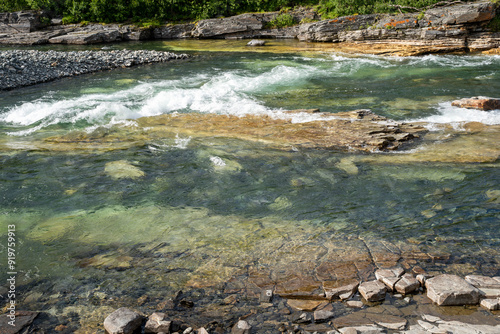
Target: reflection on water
[[111, 226]]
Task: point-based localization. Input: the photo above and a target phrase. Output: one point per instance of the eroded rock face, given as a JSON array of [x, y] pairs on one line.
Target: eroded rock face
[[451, 290]]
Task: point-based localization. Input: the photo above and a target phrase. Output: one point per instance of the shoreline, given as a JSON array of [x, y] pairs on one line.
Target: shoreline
[[21, 68]]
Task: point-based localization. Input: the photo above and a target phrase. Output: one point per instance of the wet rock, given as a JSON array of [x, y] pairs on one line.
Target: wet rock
[[340, 289], [241, 327], [256, 42], [304, 305], [122, 170], [482, 281], [266, 296], [389, 276], [123, 321], [354, 304], [407, 284], [491, 304], [324, 313], [301, 318], [372, 291], [436, 325], [156, 323], [451, 290], [478, 102], [22, 320]]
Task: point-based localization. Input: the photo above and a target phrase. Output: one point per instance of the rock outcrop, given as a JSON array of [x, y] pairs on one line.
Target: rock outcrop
[[478, 102], [457, 28], [451, 290]]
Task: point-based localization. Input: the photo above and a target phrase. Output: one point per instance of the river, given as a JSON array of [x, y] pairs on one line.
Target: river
[[103, 227]]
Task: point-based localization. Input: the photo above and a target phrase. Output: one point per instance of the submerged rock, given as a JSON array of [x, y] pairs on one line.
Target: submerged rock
[[122, 169]]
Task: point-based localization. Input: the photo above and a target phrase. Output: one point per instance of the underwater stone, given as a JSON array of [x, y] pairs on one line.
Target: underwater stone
[[451, 290], [241, 327], [23, 319], [122, 321], [122, 169]]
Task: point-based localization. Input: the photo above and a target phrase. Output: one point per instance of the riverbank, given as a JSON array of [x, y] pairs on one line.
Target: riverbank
[[463, 27], [19, 68]]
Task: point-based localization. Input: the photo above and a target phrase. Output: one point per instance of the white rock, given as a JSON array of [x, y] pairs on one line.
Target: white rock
[[451, 290], [122, 321], [372, 291]]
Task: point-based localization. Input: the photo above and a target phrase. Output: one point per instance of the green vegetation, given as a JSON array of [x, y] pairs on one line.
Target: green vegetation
[[156, 11], [282, 20]]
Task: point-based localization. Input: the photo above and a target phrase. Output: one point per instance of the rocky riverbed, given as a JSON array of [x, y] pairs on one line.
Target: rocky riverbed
[[20, 68]]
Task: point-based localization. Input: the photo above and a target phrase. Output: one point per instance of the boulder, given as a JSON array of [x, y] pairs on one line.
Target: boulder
[[324, 314], [373, 291], [83, 37], [407, 284], [236, 24], [123, 321], [451, 290], [478, 102], [157, 323]]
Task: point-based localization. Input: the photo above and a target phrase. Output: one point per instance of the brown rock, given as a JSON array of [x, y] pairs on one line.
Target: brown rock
[[482, 281], [157, 323], [389, 276], [372, 291], [304, 305], [324, 313], [451, 290], [343, 289], [407, 284], [478, 102]]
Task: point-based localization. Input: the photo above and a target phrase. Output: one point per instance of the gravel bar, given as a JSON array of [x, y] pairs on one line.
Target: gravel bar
[[20, 68]]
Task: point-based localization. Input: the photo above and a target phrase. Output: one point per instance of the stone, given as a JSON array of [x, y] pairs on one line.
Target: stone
[[451, 290], [22, 320], [334, 291], [478, 102], [491, 304], [482, 281], [324, 314], [157, 323], [407, 284], [389, 276], [304, 305], [354, 304], [373, 291], [241, 327], [256, 42], [173, 31], [266, 296], [394, 325], [202, 330], [489, 292], [122, 321], [122, 169]]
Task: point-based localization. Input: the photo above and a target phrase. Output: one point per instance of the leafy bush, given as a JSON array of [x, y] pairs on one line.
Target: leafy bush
[[281, 21]]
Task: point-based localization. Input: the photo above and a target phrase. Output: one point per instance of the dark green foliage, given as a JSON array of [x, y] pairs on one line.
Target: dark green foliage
[[282, 20], [176, 10]]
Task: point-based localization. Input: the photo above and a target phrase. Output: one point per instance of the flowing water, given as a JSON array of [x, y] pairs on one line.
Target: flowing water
[[103, 227]]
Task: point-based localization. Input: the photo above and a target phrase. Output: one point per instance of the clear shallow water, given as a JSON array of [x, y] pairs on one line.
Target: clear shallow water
[[196, 212]]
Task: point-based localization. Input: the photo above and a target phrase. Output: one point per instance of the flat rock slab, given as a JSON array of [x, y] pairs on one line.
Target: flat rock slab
[[358, 130], [482, 281], [123, 321], [372, 291], [451, 290], [478, 102], [491, 304]]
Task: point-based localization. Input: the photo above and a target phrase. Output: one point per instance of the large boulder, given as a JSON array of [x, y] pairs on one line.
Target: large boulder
[[173, 31], [451, 290]]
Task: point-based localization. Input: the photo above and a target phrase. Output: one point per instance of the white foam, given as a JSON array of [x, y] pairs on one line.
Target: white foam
[[448, 114]]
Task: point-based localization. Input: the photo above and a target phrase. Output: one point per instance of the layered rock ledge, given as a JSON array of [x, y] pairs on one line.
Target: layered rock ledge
[[29, 67], [457, 28], [358, 130]]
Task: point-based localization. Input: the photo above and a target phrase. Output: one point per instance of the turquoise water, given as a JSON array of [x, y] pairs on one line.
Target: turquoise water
[[191, 212]]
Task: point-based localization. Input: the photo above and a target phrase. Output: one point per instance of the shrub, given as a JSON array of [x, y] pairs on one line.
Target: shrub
[[281, 21]]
